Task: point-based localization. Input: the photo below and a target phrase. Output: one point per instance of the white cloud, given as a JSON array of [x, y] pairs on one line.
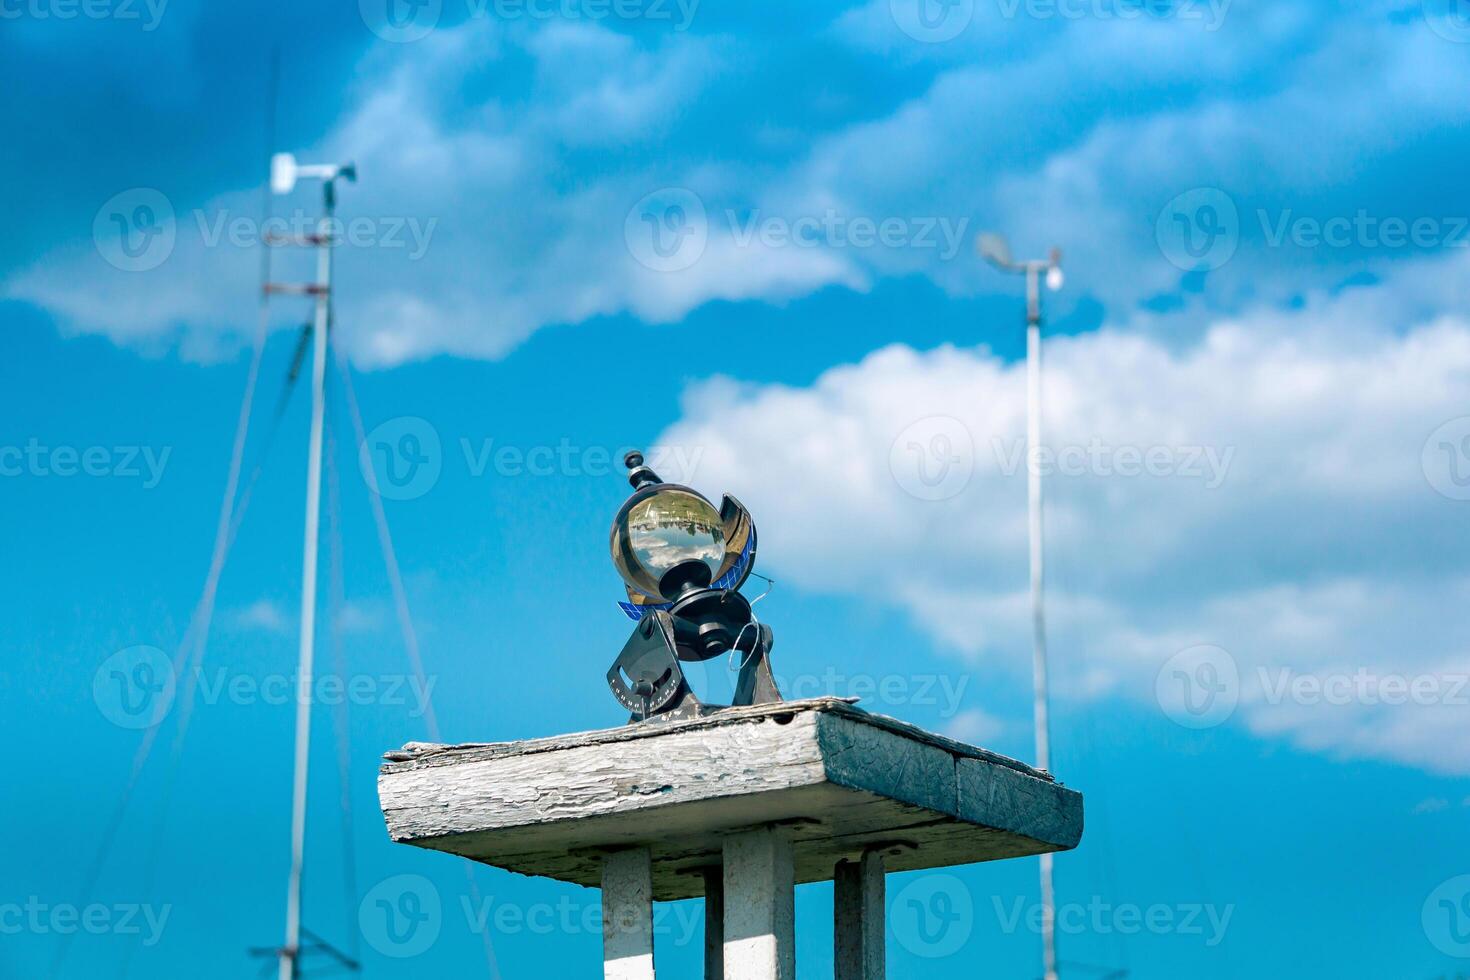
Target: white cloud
[[1281, 510], [1071, 141], [599, 89], [475, 235], [520, 192], [272, 616], [361, 616], [265, 615], [976, 727]]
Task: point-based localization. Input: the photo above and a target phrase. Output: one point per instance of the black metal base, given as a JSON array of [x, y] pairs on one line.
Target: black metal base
[[648, 680]]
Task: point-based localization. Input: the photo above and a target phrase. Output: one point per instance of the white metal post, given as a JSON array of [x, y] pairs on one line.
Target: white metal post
[[627, 915], [291, 949], [760, 906], [1038, 618]]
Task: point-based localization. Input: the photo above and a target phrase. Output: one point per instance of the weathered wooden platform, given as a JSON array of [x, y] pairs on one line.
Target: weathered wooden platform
[[840, 782]]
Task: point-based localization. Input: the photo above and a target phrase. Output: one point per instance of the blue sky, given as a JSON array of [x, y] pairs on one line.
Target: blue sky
[[740, 236]]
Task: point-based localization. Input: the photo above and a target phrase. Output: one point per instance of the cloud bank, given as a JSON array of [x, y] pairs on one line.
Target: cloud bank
[[1290, 489]]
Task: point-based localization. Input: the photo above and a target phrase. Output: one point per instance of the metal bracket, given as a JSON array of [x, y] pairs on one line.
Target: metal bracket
[[756, 684], [646, 677]]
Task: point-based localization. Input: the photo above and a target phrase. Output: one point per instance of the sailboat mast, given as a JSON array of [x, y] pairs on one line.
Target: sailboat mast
[[304, 678]]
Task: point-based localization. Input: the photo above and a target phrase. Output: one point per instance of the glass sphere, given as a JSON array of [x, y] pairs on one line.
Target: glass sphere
[[662, 527]]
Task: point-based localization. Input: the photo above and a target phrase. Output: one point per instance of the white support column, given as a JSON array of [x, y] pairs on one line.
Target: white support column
[[760, 906], [858, 927], [627, 915]]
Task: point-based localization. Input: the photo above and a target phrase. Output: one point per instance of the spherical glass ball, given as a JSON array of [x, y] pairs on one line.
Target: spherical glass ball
[[661, 527]]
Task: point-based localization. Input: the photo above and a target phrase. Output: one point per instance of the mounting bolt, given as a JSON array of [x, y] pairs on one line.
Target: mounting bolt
[[639, 474]]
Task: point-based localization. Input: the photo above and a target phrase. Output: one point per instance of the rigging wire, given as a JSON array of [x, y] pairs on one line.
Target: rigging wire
[[176, 755], [405, 622], [283, 401], [191, 647], [336, 599], [188, 660], [231, 515], [385, 544], [189, 657]]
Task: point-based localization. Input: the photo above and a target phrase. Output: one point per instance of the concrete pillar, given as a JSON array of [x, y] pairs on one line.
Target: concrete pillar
[[627, 915], [858, 928], [760, 893]]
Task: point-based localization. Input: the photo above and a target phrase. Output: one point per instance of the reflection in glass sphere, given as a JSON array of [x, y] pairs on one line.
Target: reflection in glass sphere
[[656, 532]]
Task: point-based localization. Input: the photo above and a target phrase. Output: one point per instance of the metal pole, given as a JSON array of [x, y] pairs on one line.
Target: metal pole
[[1038, 619], [290, 950]]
